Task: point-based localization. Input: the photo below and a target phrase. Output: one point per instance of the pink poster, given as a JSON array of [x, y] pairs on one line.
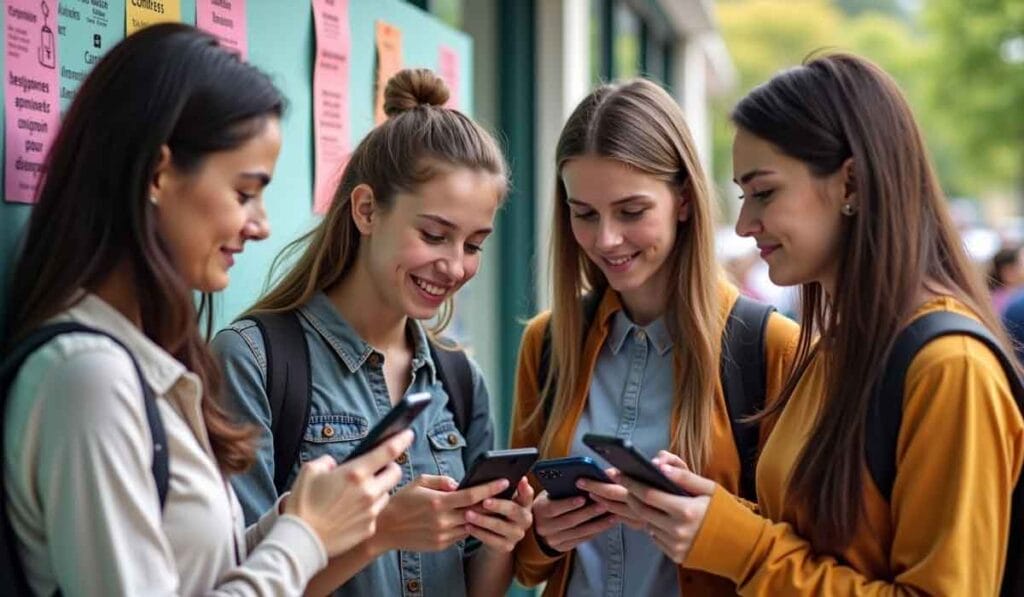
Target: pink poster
[[31, 94], [226, 20], [448, 70], [330, 98]]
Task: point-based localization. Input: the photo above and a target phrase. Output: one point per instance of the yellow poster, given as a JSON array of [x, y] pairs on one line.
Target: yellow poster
[[143, 13]]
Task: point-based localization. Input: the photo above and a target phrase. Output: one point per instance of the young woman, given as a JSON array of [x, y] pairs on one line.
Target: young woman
[[415, 204], [633, 227], [841, 198], [154, 183], [1005, 277]]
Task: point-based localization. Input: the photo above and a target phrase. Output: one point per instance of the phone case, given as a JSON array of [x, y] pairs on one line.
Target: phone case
[[624, 456], [558, 476], [501, 464]]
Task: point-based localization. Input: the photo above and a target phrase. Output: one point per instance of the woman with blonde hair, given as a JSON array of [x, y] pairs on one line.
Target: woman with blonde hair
[[405, 231], [633, 344]]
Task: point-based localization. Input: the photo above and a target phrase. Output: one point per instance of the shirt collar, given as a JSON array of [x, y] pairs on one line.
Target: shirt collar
[[346, 342], [622, 327], [160, 370]]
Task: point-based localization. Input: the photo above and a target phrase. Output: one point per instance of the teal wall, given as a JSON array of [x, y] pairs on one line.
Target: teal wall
[[281, 42]]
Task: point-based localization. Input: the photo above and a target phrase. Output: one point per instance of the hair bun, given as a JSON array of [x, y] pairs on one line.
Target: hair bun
[[413, 87]]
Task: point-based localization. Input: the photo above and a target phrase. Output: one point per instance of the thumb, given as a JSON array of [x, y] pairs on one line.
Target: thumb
[[437, 482], [691, 482], [322, 464]]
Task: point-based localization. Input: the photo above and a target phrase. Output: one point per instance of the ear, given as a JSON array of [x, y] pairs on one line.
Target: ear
[[161, 174], [685, 198], [849, 182], [363, 206]]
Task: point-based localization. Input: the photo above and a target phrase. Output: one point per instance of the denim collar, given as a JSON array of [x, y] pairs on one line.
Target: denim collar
[[622, 327]]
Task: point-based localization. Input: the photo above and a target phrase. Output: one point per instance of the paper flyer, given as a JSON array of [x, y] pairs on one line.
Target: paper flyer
[[389, 62], [225, 19], [31, 94], [330, 98], [86, 30], [448, 70], [143, 13]]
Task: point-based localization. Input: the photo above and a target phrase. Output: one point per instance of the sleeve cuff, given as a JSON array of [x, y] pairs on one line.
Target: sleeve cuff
[[726, 540], [302, 542]]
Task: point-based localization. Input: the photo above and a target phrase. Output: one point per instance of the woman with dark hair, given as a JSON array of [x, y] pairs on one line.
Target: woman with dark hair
[[1005, 276], [841, 198], [155, 182]]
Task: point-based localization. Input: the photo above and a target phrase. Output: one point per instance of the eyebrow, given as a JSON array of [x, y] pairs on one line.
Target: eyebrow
[[626, 199], [449, 224], [752, 175], [263, 177]]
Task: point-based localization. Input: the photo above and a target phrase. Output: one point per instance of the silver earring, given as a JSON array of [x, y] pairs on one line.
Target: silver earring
[[154, 200], [848, 209]]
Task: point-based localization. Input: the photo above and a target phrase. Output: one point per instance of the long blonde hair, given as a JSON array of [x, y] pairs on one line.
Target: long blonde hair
[[417, 142], [639, 124]]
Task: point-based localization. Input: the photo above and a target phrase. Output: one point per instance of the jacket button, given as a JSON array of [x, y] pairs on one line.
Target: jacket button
[[452, 439], [328, 431], [413, 586], [402, 458], [374, 360]]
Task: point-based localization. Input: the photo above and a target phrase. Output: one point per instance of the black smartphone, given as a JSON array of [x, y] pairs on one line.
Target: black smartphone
[[500, 464], [558, 476], [398, 419], [623, 455]]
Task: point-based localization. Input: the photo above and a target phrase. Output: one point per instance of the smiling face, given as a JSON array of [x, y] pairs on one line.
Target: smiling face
[[428, 244], [793, 215], [625, 221], [205, 216]]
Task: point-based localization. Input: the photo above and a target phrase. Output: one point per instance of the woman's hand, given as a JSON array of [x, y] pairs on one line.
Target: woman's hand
[[564, 524], [500, 524], [341, 502], [613, 497], [672, 521], [429, 514]]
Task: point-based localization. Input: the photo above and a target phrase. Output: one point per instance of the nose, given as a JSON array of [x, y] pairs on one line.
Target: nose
[[748, 223], [452, 267], [608, 235], [257, 226]]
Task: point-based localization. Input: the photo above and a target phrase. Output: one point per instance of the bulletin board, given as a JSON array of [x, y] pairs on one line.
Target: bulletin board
[[281, 41]]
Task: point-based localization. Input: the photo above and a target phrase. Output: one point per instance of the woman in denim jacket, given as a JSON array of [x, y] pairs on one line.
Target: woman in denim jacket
[[404, 232]]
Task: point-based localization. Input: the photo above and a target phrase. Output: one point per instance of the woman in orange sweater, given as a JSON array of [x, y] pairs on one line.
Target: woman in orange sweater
[[640, 356], [841, 198]]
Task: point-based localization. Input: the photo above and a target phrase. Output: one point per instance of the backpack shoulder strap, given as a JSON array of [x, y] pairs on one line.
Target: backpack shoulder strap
[[743, 373], [885, 416], [589, 304], [454, 373], [288, 386]]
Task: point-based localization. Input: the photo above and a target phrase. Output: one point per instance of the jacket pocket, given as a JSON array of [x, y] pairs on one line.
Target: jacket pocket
[[335, 434], [447, 445]]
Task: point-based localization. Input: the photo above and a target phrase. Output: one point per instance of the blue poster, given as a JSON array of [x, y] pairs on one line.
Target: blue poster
[[87, 29]]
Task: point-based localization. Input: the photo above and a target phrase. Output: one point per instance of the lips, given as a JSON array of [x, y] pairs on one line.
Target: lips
[[767, 249], [229, 255], [618, 263]]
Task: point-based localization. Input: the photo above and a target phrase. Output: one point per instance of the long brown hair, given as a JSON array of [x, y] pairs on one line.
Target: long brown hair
[[93, 211], [639, 124], [900, 240], [418, 141]]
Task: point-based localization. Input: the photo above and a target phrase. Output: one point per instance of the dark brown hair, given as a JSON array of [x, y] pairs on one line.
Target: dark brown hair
[[171, 85], [901, 240], [420, 140]]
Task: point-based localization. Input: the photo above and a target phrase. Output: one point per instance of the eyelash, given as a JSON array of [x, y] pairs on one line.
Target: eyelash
[[626, 214], [759, 196], [244, 198], [434, 239]]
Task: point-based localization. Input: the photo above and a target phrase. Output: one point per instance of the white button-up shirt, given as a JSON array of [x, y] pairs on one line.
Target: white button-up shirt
[[80, 491]]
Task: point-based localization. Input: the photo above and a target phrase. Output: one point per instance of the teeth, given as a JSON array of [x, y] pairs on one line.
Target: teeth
[[618, 261], [429, 288]]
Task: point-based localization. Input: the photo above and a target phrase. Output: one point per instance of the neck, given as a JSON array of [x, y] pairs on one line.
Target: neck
[[118, 291], [358, 301], [646, 303]]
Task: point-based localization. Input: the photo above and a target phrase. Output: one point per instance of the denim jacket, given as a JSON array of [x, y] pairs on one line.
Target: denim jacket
[[349, 396]]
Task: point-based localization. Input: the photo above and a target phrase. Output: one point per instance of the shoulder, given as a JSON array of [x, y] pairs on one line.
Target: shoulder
[[781, 333], [240, 339], [536, 328]]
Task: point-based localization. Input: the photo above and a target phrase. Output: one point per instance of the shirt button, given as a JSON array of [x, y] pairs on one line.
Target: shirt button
[[413, 586], [640, 336], [328, 431], [374, 360], [452, 439], [402, 458]]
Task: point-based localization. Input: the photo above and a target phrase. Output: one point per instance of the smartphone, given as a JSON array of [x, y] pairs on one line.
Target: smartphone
[[501, 464], [398, 419], [623, 455], [558, 476]]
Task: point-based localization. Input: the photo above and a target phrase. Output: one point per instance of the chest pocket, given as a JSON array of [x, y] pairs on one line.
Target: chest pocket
[[447, 444], [334, 434]]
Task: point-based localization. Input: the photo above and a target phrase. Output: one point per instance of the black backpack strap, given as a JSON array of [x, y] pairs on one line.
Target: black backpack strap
[[288, 386], [454, 373], [589, 303], [743, 374], [885, 416], [11, 573]]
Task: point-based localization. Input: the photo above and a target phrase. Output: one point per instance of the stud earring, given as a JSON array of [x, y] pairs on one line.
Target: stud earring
[[154, 200], [848, 209]]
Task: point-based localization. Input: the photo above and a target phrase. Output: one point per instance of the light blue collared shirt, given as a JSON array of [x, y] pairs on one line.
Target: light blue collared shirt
[[349, 395], [631, 396]]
